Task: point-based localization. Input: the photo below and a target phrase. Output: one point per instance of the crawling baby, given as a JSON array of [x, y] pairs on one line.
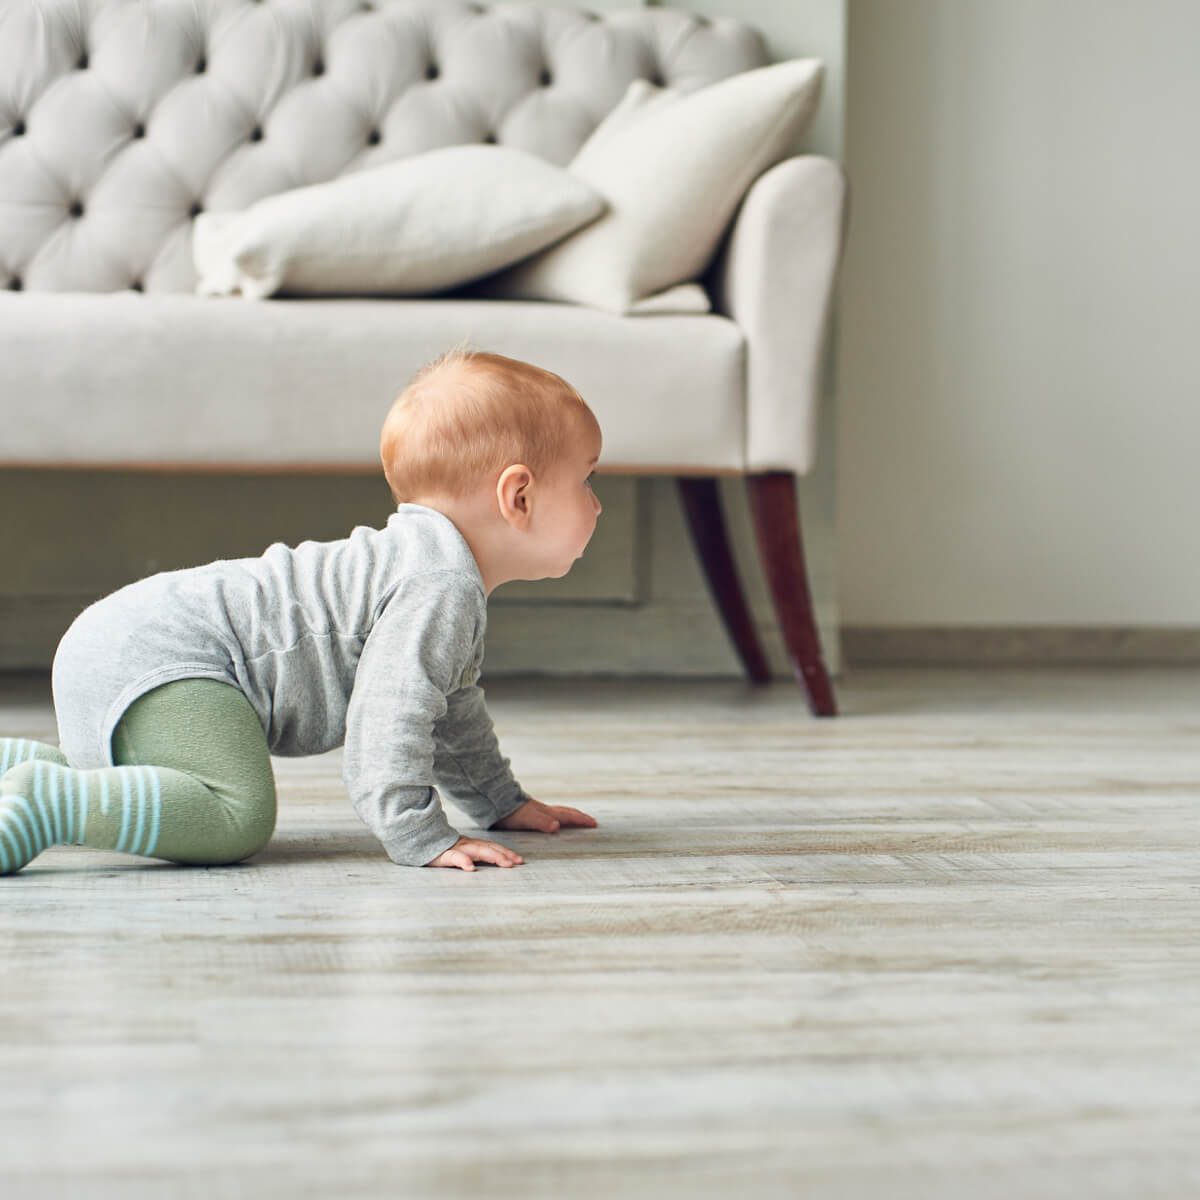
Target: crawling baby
[[172, 693]]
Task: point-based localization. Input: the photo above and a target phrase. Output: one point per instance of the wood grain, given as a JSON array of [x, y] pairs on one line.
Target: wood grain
[[944, 946]]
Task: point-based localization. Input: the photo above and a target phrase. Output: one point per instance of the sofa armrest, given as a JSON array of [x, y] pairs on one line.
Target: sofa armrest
[[774, 276]]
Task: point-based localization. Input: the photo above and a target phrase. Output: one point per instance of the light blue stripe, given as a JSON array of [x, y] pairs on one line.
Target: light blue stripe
[[64, 778], [12, 841], [156, 785], [60, 789], [8, 743], [40, 804], [19, 825], [66, 782], [56, 816], [83, 801], [28, 836], [141, 820], [9, 821], [127, 801], [69, 786]]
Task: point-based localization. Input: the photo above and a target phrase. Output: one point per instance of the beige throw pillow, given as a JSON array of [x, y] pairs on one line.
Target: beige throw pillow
[[415, 226], [673, 168]]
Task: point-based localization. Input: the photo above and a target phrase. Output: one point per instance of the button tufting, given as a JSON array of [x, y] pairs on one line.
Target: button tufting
[[139, 130], [545, 79], [201, 66], [76, 209], [256, 134], [81, 65], [14, 284], [318, 67], [374, 137], [18, 129], [491, 137], [196, 209], [432, 71], [135, 286]]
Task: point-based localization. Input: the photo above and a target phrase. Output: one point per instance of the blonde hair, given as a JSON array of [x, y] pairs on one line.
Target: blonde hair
[[467, 414]]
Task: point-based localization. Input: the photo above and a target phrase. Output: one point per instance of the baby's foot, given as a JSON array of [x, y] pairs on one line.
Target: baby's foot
[[111, 808], [26, 829], [19, 750]]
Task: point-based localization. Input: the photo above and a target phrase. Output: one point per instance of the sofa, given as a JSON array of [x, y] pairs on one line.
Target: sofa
[[109, 148]]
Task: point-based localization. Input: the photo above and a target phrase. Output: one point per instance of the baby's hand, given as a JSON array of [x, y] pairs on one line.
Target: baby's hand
[[466, 852], [543, 818]]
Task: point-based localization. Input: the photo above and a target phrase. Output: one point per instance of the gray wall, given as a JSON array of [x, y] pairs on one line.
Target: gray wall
[[1020, 337], [635, 602]]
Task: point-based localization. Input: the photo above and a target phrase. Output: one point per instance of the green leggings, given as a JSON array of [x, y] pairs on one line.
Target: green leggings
[[207, 730], [192, 784]]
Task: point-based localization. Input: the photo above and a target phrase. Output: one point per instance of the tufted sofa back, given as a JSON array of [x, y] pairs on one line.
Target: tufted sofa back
[[121, 120]]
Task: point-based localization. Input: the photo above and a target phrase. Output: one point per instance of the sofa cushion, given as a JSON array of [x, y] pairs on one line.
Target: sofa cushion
[[411, 228], [182, 379], [673, 167]]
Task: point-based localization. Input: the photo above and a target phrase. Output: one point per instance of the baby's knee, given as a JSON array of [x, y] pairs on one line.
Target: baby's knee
[[255, 827], [252, 822]]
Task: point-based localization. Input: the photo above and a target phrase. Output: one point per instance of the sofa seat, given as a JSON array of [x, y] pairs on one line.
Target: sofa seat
[[122, 122], [129, 379]]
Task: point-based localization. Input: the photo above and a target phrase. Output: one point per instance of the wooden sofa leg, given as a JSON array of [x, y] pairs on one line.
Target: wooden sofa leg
[[774, 509], [701, 499]]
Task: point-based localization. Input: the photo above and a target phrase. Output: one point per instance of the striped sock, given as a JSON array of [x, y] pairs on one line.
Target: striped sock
[[112, 808], [14, 751], [157, 812]]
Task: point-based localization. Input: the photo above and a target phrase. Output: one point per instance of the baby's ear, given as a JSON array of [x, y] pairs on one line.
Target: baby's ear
[[512, 490]]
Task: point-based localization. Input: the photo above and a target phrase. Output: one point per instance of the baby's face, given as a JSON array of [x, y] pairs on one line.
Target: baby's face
[[569, 508]]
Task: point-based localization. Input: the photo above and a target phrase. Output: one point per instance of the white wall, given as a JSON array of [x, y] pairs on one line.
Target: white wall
[[1019, 359]]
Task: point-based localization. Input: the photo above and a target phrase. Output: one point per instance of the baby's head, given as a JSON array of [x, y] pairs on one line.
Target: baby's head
[[503, 447]]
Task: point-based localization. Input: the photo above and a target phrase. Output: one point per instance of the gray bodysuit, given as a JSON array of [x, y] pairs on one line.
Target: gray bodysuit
[[374, 641]]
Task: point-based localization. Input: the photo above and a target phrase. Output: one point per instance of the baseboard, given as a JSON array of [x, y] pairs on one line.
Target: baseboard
[[1023, 645]]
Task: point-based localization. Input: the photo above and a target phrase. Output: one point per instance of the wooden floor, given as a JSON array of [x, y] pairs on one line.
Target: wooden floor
[[946, 945]]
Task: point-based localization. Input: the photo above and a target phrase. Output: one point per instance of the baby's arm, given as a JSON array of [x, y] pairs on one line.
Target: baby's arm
[[468, 765], [411, 659], [470, 769]]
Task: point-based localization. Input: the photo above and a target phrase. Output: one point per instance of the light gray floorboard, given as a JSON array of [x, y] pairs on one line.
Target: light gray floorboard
[[945, 945]]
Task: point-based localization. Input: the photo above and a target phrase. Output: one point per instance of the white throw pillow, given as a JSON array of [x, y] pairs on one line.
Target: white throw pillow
[[415, 226], [673, 167]]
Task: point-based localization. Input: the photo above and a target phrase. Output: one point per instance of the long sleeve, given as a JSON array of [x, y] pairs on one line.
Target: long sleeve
[[416, 654], [468, 765]]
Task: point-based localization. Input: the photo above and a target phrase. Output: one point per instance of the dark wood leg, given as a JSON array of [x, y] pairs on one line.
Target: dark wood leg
[[773, 506], [701, 500]]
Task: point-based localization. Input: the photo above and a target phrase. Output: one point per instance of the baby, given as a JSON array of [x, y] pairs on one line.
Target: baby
[[172, 693]]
